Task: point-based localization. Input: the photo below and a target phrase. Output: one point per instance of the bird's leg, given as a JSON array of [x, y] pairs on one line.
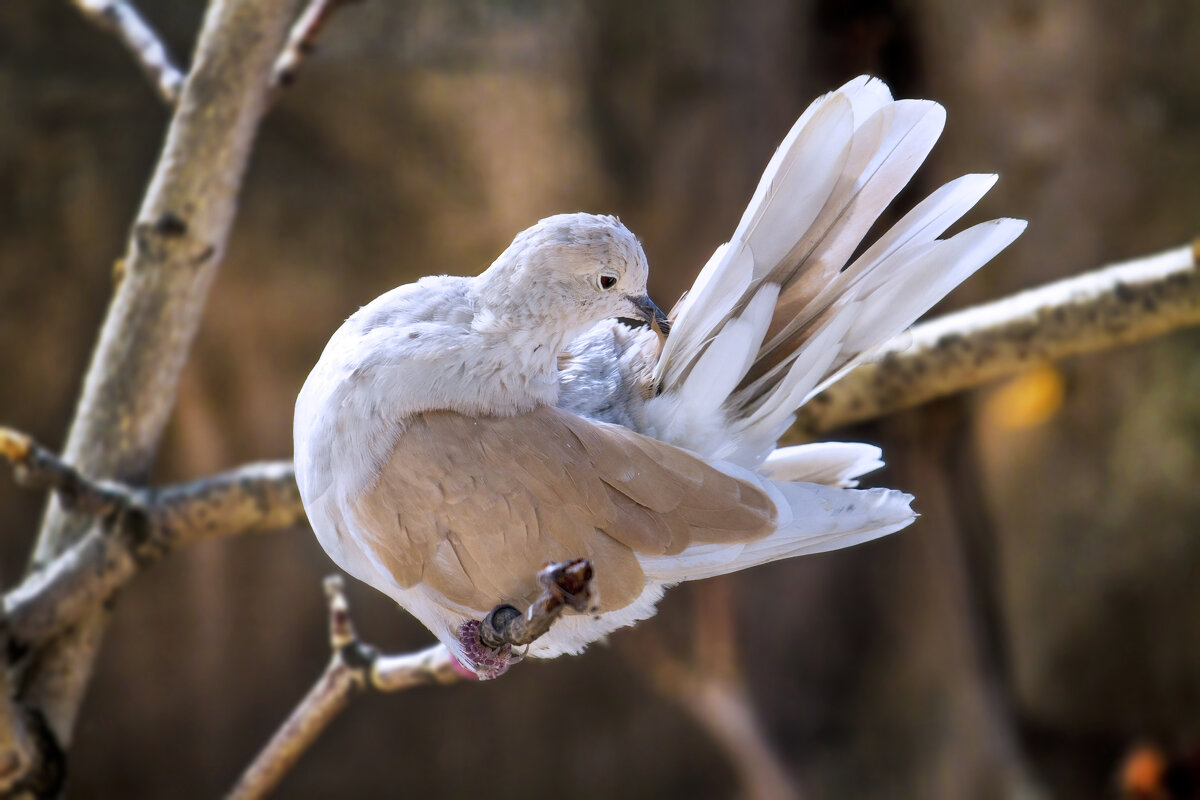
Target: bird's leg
[[489, 644]]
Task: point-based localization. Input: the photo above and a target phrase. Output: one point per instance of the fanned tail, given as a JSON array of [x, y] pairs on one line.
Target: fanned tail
[[777, 314]]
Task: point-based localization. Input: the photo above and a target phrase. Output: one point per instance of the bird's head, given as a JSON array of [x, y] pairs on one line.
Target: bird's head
[[565, 274]]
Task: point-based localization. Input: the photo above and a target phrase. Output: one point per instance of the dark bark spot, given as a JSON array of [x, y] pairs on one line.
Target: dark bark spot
[[205, 255], [170, 225]]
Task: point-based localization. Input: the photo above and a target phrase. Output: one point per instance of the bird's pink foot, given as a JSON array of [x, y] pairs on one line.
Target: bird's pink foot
[[482, 661]]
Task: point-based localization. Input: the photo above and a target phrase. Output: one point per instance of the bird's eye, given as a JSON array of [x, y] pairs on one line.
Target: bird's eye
[[606, 280]]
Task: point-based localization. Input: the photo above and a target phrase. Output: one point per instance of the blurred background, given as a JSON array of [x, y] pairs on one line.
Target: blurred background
[[1040, 619]]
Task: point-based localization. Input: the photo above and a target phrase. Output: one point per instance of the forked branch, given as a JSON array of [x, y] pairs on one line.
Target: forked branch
[[139, 527], [123, 20], [357, 666]]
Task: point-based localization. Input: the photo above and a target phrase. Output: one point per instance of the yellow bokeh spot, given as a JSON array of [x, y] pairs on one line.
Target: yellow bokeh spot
[[1027, 400]]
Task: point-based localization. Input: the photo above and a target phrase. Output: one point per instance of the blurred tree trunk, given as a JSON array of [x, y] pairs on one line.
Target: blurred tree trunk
[[1091, 548]]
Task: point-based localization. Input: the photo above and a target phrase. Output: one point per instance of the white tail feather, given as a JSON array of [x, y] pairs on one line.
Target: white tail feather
[[827, 463], [736, 366], [822, 519], [777, 314]]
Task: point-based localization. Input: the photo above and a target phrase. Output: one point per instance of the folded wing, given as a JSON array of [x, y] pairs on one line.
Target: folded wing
[[473, 507]]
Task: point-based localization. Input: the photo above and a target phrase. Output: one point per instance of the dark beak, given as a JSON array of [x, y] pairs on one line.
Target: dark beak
[[648, 314]]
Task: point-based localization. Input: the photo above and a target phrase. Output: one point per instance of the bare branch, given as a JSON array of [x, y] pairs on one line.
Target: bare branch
[[357, 666], [123, 20], [139, 527], [1122, 304], [250, 499], [433, 665], [342, 678], [35, 467], [302, 40], [175, 246]]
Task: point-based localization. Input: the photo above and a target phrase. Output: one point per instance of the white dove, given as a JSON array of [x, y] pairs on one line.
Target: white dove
[[459, 433]]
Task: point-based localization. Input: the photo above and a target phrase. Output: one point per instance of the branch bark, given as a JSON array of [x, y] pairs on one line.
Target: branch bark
[[137, 527], [174, 249], [1099, 310], [302, 40], [123, 20], [356, 667]]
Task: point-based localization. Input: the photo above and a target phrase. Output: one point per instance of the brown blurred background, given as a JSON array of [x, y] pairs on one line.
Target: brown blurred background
[[1041, 617]]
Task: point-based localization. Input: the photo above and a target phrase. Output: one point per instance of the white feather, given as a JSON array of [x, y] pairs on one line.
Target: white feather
[[907, 294], [822, 518], [690, 413], [828, 463], [791, 193]]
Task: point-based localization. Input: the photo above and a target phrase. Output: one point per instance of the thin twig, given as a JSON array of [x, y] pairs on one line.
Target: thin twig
[[1099, 310], [356, 666], [123, 20], [302, 40], [331, 693]]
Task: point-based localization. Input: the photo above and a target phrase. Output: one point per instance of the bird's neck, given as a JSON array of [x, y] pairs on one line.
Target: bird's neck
[[513, 352]]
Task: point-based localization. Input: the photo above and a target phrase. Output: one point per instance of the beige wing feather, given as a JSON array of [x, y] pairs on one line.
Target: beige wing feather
[[473, 507]]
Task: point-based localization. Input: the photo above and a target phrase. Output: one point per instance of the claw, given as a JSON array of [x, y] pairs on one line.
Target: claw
[[569, 582]]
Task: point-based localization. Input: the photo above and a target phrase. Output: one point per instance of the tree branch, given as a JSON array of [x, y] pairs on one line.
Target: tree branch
[[35, 467], [123, 20], [175, 246], [356, 666], [139, 526], [302, 40], [1122, 304]]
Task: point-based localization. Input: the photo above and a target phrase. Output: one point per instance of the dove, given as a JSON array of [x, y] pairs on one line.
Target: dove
[[459, 433]]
